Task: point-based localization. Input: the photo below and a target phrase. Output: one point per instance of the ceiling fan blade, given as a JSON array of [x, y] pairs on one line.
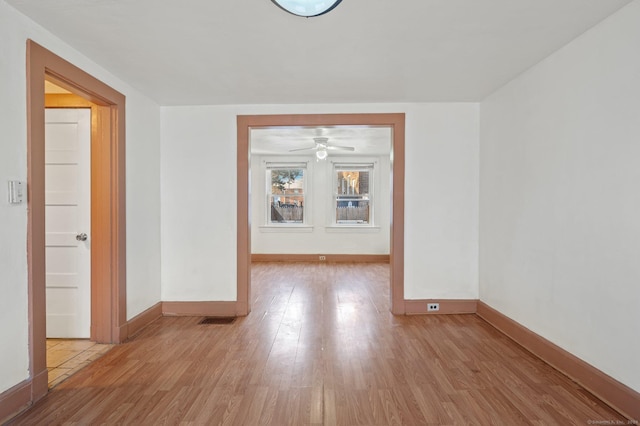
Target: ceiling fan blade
[[341, 148], [304, 149]]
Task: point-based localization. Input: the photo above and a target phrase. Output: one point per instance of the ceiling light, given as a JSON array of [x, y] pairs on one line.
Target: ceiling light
[[321, 154], [307, 8]]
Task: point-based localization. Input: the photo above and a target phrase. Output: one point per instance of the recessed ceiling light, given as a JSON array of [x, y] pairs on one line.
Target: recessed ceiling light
[[307, 8]]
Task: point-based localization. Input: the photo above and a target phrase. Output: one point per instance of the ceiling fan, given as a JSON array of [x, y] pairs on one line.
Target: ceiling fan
[[322, 146]]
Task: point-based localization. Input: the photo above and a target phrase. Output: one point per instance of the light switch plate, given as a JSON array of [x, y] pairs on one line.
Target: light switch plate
[[16, 192]]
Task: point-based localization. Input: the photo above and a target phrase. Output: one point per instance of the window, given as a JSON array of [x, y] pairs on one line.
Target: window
[[286, 193], [353, 194]]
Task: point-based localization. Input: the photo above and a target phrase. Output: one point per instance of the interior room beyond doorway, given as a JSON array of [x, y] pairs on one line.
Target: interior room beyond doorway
[[321, 191]]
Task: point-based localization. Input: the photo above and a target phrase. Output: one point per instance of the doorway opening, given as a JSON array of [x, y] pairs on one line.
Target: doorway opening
[[396, 241], [69, 130], [321, 194], [108, 248]]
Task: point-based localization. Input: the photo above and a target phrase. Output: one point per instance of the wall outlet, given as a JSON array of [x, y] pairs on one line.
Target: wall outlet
[[323, 257], [433, 307]]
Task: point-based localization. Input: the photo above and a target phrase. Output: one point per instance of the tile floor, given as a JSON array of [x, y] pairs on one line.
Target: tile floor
[[65, 357]]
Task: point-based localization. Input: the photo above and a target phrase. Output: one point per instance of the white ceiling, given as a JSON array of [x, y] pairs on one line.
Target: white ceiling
[[194, 52]]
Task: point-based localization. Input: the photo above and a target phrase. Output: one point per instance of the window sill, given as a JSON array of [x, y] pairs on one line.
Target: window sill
[[353, 228], [286, 228]]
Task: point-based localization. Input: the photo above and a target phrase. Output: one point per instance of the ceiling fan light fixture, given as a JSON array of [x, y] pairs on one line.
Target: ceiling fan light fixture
[[307, 8], [321, 154]]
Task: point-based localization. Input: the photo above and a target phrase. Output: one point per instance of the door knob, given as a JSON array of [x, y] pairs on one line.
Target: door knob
[[82, 237]]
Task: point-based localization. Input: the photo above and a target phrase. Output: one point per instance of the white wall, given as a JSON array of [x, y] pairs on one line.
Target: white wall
[[199, 166], [560, 198], [324, 237], [143, 196], [441, 202], [143, 202]]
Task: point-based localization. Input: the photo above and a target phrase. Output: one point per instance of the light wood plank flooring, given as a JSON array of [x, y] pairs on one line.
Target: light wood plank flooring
[[320, 347]]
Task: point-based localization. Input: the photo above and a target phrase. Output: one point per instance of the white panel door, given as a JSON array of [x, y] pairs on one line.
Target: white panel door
[[68, 222]]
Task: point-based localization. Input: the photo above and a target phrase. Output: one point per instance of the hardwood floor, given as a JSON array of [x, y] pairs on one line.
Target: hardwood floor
[[319, 347]]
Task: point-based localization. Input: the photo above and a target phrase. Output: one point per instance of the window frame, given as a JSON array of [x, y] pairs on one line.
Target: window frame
[[268, 166], [367, 165]]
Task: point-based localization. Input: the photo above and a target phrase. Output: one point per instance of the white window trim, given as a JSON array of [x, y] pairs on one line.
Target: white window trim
[[286, 227], [364, 228], [370, 164], [269, 163]]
